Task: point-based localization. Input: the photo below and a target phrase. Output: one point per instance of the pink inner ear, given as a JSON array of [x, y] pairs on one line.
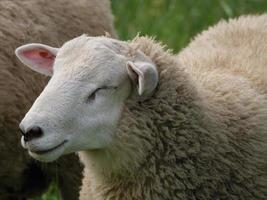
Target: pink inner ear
[[40, 58]]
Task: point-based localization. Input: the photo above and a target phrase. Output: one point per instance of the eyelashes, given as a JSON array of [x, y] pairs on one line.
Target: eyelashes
[[92, 96]]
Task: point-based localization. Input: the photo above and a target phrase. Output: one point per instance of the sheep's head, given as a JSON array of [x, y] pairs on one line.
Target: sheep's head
[[80, 107]]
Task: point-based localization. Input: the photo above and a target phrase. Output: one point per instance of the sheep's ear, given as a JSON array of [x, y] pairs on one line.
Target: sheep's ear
[[38, 57], [145, 76]]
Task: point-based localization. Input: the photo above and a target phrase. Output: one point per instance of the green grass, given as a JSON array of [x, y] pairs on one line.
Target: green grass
[[174, 22], [52, 194]]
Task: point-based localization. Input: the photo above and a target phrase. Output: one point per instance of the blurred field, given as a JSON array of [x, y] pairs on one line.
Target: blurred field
[[174, 22]]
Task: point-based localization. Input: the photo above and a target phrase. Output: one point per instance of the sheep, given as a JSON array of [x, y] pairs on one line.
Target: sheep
[[40, 21], [152, 125]]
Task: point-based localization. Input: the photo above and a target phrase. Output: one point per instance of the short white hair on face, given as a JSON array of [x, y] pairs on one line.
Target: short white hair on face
[[81, 106]]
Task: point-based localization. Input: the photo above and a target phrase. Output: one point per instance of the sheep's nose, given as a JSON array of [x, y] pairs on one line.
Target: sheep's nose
[[34, 132]]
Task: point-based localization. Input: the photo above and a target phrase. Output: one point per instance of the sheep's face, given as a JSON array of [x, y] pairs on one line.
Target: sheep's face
[[80, 107]]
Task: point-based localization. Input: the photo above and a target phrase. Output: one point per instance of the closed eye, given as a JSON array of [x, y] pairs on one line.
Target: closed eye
[[91, 98]]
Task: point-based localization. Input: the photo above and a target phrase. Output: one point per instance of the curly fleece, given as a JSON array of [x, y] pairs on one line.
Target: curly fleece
[[203, 134], [52, 23]]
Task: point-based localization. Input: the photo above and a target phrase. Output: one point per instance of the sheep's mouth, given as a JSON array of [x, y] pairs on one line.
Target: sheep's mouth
[[42, 152]]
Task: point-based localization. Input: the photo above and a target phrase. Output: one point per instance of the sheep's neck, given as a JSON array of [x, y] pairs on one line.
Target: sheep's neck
[[103, 182]]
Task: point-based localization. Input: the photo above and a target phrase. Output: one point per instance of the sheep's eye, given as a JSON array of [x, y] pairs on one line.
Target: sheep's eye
[[91, 98]]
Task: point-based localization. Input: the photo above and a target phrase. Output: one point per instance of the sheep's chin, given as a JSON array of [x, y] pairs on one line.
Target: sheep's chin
[[48, 156]]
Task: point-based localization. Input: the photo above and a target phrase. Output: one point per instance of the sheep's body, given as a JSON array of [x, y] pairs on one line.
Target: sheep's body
[[203, 134], [37, 21]]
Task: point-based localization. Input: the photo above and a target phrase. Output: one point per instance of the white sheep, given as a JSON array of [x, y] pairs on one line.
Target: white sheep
[[54, 22], [149, 125]]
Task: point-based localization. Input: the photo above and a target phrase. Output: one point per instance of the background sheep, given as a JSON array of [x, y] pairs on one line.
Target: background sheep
[[201, 135], [38, 21]]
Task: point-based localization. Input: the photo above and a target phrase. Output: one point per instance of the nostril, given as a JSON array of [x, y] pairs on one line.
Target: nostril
[[34, 132]]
